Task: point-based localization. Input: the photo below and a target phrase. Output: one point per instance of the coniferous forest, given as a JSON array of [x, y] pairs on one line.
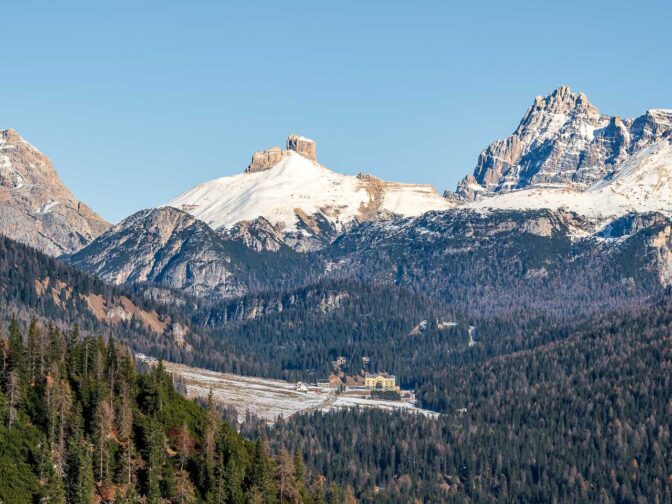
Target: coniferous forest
[[80, 424], [583, 419]]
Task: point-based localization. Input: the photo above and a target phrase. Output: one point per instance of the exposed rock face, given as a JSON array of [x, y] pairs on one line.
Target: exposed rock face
[[562, 141], [164, 246], [264, 160], [267, 159], [258, 234], [661, 242], [302, 145], [632, 223], [171, 249], [35, 207]]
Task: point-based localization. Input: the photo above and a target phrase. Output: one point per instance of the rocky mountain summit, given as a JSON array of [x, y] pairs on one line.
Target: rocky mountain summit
[[164, 246], [562, 142], [268, 158], [35, 206], [304, 202], [302, 145], [642, 183], [171, 248]]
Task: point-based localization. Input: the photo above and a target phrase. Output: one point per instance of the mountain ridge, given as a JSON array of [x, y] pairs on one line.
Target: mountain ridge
[[562, 141], [36, 208], [305, 201]]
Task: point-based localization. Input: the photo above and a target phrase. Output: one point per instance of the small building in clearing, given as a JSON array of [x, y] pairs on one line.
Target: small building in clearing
[[380, 381]]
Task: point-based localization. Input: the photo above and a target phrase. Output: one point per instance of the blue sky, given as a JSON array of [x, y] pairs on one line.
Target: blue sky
[[138, 101]]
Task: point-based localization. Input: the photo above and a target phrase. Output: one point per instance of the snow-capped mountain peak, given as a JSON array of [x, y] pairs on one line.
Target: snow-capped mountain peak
[[565, 153], [563, 141], [305, 200], [642, 183]]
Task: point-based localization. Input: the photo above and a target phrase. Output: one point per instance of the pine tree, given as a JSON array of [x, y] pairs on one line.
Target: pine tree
[[80, 472], [155, 460], [298, 467], [287, 483], [334, 494], [348, 496], [210, 433], [104, 421], [32, 351], [260, 477], [124, 430], [16, 352], [183, 490], [233, 477]]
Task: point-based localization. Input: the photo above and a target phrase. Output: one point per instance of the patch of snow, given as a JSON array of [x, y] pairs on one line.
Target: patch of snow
[[305, 139], [299, 183], [268, 398], [47, 207], [360, 402], [642, 183]]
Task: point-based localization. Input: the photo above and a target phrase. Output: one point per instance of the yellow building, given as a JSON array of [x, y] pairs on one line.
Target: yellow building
[[380, 381]]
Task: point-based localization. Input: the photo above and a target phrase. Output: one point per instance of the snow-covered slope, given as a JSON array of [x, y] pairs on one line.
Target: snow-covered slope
[[302, 198], [642, 183]]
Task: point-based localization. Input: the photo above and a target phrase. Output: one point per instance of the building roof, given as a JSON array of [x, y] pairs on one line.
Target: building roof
[[375, 375]]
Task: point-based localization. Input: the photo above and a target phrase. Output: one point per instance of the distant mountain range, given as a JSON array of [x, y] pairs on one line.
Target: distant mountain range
[[582, 189]]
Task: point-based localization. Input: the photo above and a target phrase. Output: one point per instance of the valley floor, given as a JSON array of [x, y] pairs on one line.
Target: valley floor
[[269, 399]]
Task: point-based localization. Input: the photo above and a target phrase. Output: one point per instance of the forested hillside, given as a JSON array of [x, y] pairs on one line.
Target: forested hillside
[[583, 419], [79, 424], [488, 263], [296, 334], [150, 320], [34, 284]]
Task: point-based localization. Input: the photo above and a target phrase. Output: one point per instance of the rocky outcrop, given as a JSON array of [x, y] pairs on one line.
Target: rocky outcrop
[[264, 160], [302, 145], [267, 159], [631, 223], [258, 234], [562, 141], [35, 206], [164, 246]]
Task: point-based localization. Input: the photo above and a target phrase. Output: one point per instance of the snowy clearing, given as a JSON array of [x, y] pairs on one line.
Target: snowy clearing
[[270, 399]]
